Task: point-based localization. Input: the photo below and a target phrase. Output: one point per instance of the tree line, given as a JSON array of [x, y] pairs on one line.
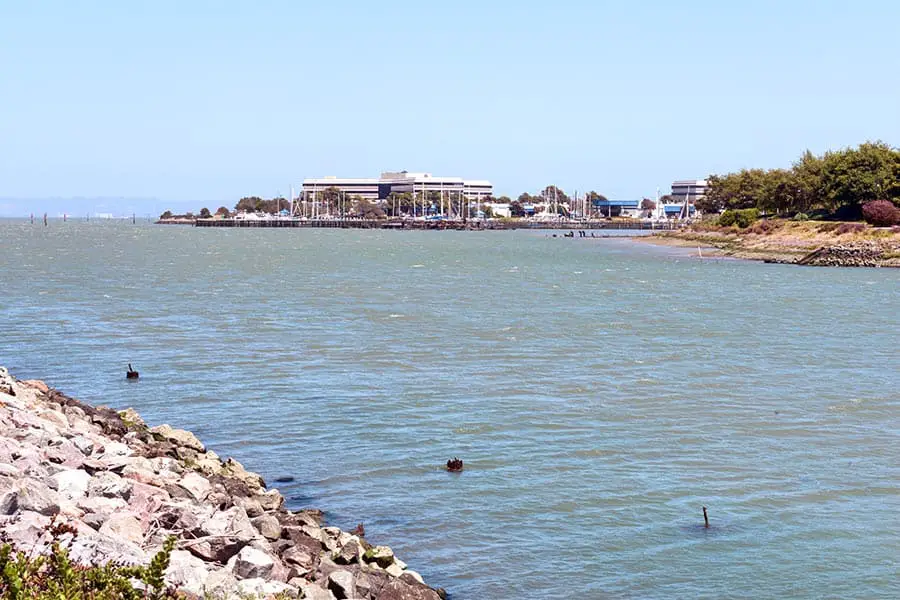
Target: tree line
[[837, 183]]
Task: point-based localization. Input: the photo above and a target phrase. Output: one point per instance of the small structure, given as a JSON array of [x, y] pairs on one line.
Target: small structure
[[617, 208], [455, 465], [131, 373]]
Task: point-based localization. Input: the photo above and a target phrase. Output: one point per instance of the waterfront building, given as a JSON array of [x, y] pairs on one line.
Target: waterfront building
[[401, 182], [617, 208], [688, 190]]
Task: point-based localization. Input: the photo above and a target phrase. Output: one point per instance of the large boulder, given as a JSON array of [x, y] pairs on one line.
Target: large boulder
[[348, 554], [72, 485], [341, 584], [223, 535], [187, 572], [251, 563], [124, 526], [383, 556], [398, 589], [179, 437], [268, 526], [197, 486], [109, 485], [35, 496]]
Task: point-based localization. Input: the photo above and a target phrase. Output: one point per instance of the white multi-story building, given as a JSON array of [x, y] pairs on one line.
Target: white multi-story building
[[400, 182], [688, 190]]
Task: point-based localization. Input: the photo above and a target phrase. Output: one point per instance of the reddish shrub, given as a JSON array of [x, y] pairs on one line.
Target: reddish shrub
[[881, 213], [849, 228], [764, 227]]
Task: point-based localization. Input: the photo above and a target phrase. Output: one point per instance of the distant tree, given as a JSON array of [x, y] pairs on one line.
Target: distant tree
[[223, 212], [594, 196], [648, 204], [248, 204], [667, 199], [204, 213], [552, 193], [516, 208], [503, 200], [487, 210], [166, 215], [367, 210]]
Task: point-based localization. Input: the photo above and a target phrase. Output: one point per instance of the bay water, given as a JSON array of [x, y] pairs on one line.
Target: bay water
[[600, 392]]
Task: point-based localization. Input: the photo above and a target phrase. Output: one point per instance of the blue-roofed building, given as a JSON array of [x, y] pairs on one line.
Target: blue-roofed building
[[674, 211], [618, 208]]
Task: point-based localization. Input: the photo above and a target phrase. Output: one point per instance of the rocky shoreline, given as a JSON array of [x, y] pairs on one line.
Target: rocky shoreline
[[821, 251], [124, 488]]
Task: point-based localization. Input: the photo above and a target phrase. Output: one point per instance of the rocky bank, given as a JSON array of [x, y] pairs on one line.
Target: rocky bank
[[125, 488]]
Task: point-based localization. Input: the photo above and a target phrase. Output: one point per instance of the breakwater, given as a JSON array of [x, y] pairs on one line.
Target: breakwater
[[122, 488]]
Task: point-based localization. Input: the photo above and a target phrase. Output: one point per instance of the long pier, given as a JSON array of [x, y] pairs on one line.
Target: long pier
[[409, 224]]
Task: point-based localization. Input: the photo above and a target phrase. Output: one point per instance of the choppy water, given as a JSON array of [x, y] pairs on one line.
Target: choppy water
[[599, 391]]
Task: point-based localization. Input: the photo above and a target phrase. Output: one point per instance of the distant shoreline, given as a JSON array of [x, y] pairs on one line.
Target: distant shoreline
[[786, 242]]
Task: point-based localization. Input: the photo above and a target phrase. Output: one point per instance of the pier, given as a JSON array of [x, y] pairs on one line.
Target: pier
[[454, 225]]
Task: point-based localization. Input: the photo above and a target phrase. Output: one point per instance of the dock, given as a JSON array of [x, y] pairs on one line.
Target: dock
[[440, 225]]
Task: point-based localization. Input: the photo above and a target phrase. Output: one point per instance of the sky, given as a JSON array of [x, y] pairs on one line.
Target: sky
[[147, 105]]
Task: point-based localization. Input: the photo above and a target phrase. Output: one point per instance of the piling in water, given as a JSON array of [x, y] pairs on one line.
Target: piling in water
[[705, 518]]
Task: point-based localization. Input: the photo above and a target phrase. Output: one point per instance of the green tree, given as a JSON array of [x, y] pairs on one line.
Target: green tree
[[166, 215], [204, 213], [855, 176], [516, 208], [223, 212]]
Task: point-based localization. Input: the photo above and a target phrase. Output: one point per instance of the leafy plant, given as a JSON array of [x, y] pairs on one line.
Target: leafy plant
[[56, 577]]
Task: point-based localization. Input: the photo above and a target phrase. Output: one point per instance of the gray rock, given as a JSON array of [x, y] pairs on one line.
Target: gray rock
[[251, 505], [311, 591], [179, 437], [348, 554], [35, 496], [341, 584], [109, 485], [84, 444], [72, 485], [101, 505], [197, 486], [222, 535], [381, 555], [9, 502], [268, 526], [412, 575], [260, 588], [221, 583], [124, 526], [271, 500], [251, 563], [187, 572]]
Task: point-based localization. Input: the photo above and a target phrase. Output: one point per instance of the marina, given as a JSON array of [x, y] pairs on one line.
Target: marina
[[419, 224]]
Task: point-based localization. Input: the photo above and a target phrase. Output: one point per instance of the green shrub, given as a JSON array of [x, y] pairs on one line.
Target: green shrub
[[742, 218], [55, 577], [800, 217]]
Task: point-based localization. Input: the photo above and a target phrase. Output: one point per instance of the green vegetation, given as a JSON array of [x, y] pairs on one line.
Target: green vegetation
[[56, 577], [741, 218], [835, 184]]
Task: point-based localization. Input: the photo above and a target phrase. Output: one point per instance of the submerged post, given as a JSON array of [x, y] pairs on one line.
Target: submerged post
[[705, 518]]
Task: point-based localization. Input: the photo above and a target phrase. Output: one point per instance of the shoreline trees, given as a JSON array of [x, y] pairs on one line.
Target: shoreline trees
[[837, 183]]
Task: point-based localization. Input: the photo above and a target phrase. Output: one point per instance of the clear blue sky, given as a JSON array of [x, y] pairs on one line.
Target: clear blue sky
[[204, 102]]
